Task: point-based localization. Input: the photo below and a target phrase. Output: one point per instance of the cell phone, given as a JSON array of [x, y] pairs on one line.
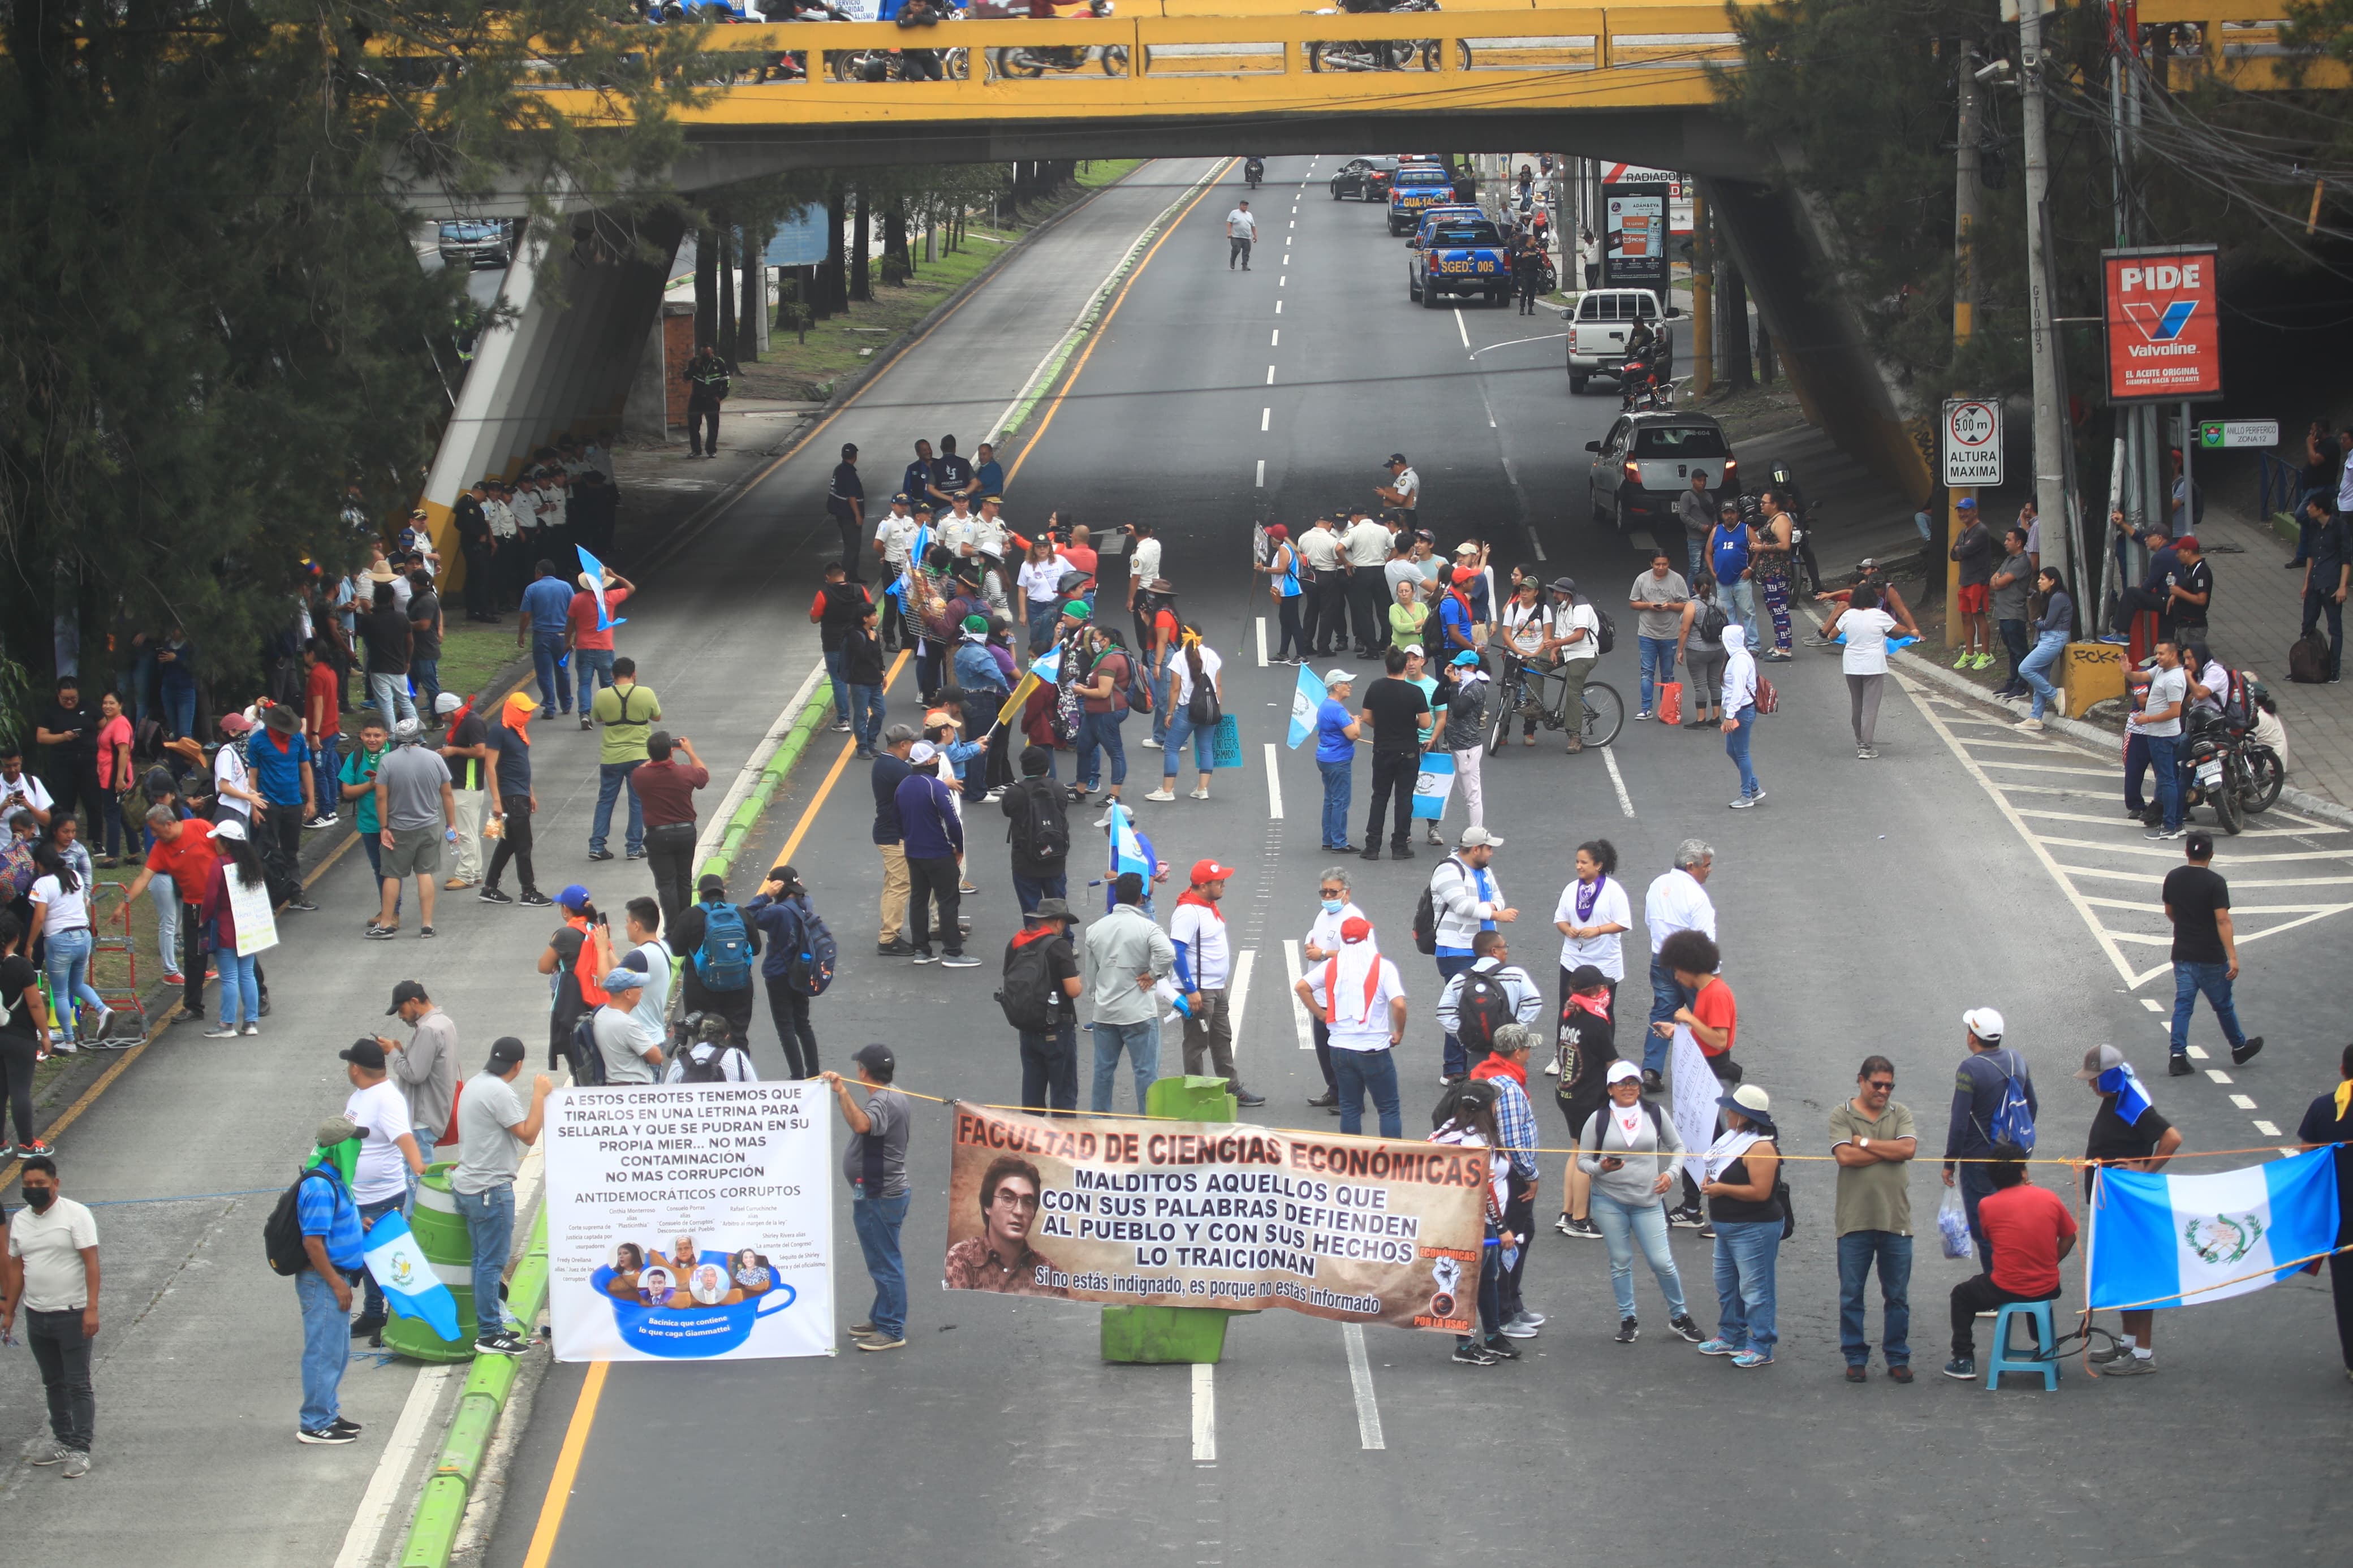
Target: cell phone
[[600, 918]]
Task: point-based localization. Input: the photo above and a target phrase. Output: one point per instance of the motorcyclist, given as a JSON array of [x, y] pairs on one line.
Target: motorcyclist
[[1643, 345], [1254, 170]]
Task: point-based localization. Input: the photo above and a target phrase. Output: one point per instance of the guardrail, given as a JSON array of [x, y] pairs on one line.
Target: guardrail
[[2277, 484]]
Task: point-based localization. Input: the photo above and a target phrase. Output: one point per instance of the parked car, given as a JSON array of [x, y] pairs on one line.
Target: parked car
[[1597, 334], [1457, 250], [1413, 187], [1645, 462], [476, 242], [1366, 179]]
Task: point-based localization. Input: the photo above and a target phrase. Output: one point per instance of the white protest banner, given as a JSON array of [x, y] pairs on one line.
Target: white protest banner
[[257, 924], [689, 1221]]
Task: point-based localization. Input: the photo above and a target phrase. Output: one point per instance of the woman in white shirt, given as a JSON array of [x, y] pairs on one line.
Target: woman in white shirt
[[61, 913], [1039, 572], [1864, 659], [1740, 711], [1194, 668], [1592, 914]]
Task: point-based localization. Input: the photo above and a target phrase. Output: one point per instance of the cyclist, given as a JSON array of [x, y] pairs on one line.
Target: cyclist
[[1575, 643]]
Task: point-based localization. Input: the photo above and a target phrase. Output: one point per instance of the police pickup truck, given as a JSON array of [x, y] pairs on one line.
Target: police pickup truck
[[1457, 250], [1414, 187]]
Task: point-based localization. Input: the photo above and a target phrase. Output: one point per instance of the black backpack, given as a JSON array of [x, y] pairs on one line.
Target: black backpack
[[1481, 1009], [810, 968], [1030, 993], [1608, 640], [1712, 622], [1425, 923], [581, 1055], [1040, 830], [704, 1062], [281, 1233]]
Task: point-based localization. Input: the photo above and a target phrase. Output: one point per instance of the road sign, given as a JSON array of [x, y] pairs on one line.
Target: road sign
[[1972, 443], [2225, 435], [2163, 343]]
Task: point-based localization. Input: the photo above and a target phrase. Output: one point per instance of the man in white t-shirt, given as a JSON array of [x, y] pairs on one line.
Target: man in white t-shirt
[[493, 1131], [630, 1027], [1242, 230], [1204, 969], [1361, 999], [50, 1270], [388, 1158]]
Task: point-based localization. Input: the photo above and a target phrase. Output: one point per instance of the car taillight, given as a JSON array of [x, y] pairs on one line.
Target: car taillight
[[1731, 465], [1633, 472]]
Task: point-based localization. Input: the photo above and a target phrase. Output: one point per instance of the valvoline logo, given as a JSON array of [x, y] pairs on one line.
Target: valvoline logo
[[2162, 312]]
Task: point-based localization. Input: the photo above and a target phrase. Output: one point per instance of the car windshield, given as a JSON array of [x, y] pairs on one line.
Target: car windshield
[[470, 230], [1679, 441], [1613, 307], [1423, 177], [1480, 233]]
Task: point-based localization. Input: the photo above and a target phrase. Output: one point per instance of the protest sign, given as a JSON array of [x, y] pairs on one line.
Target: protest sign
[[1181, 1214], [689, 1221]]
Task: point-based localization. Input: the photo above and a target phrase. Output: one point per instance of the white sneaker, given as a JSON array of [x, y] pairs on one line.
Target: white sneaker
[[63, 1047], [2031, 724], [1162, 795], [1202, 793], [1150, 744], [253, 1028], [1552, 1068], [225, 1031]]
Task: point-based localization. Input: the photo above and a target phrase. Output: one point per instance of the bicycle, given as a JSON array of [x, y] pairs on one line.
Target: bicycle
[[1605, 711]]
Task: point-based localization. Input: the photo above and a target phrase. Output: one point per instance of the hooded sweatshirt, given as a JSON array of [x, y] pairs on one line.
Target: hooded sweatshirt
[[1740, 670]]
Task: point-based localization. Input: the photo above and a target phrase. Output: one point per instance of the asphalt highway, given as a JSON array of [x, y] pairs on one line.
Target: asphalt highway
[[1863, 907]]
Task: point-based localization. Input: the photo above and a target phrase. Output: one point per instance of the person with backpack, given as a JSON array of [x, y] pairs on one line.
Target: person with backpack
[[1041, 1000], [316, 1235], [799, 965], [1196, 696], [720, 943], [1749, 1212], [1466, 1118], [933, 839], [1993, 1102], [493, 1131], [710, 1054], [1506, 1070], [1107, 689], [1463, 898], [1479, 1002], [1038, 830], [1629, 1154], [1741, 697], [1699, 649]]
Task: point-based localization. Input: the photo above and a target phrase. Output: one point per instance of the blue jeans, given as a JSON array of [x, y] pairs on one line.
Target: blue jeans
[[554, 679], [877, 1221], [489, 1227], [2188, 980], [612, 782], [1736, 746], [1041, 624], [2165, 759], [1101, 730], [1745, 1251], [1698, 550], [1030, 889], [391, 695], [866, 714], [1205, 745], [1666, 994], [840, 686], [1856, 1249], [67, 961], [1141, 1042], [1658, 668], [179, 711], [325, 763], [1353, 1073], [1160, 684], [371, 1293], [240, 991], [1740, 605], [588, 661], [327, 1348], [1337, 779], [2044, 654], [425, 675], [1976, 1183], [1623, 1228], [1449, 1049]]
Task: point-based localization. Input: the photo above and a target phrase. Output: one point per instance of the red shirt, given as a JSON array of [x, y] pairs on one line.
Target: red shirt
[[188, 861], [1081, 559], [584, 618], [2023, 1224], [1714, 1008], [666, 791], [321, 694]]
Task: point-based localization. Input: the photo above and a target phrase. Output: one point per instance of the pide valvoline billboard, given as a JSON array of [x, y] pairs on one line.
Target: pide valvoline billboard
[[2164, 337]]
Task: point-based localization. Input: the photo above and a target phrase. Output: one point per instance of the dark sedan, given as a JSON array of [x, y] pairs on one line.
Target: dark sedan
[[1366, 179]]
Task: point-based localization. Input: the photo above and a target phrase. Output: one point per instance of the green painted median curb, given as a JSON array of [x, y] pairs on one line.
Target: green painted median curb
[[432, 1534]]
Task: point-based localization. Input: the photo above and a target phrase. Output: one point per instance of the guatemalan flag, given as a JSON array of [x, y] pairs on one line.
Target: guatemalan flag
[[1306, 702], [1434, 783], [410, 1286], [2171, 1241], [595, 574], [1128, 850]]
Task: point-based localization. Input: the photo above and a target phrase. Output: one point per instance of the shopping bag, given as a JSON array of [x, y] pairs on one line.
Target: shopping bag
[[1671, 702], [1953, 1226], [1226, 749]]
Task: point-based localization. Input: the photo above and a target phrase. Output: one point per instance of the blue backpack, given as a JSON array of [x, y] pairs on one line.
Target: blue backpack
[[724, 962], [2013, 1119], [812, 954]]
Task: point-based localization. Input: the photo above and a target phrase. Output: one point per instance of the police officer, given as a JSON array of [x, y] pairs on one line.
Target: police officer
[[845, 499], [1527, 273], [707, 380]]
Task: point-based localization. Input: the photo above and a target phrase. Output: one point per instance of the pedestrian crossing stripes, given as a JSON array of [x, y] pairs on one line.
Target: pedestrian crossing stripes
[[2066, 800]]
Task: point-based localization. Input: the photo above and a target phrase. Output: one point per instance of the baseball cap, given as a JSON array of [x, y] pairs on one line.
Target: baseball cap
[[2100, 1059], [976, 623], [1356, 927], [848, 450], [1465, 656], [1585, 977], [710, 882], [335, 1130], [1982, 1022], [1966, 503], [1413, 650], [1466, 548], [1620, 1070], [1209, 872], [922, 752], [364, 1053], [1868, 563], [1396, 457], [229, 827], [1335, 675], [573, 896], [234, 723], [447, 702], [877, 1057], [406, 991], [1478, 838], [2187, 541], [1078, 609], [939, 717], [505, 1051]]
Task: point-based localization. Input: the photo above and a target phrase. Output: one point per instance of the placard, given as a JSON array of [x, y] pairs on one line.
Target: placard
[[689, 1221], [2164, 341], [1634, 237]]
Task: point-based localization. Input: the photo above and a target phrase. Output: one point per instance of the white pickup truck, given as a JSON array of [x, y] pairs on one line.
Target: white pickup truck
[[1598, 329]]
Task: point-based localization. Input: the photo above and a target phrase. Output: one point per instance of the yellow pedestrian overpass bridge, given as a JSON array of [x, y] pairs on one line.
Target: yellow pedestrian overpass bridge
[[1630, 82]]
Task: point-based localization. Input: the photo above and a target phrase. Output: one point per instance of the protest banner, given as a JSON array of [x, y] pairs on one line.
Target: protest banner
[[1182, 1214], [689, 1221]]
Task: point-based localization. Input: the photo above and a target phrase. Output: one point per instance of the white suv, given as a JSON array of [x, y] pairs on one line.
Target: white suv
[[1597, 332]]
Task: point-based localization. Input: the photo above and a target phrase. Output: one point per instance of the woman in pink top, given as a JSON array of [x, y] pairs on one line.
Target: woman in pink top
[[115, 776]]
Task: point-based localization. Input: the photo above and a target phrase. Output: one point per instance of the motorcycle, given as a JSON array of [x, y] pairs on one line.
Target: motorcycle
[[1643, 384], [1381, 54], [2218, 775], [1254, 170], [1020, 60]]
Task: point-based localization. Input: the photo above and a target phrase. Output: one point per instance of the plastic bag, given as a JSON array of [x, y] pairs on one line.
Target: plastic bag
[[1671, 702], [1953, 1226]]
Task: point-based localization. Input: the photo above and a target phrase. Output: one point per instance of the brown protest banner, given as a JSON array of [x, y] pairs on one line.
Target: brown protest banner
[[1185, 1213]]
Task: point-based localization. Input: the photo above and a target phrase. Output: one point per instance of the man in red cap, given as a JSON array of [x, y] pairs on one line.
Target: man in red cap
[[1204, 968]]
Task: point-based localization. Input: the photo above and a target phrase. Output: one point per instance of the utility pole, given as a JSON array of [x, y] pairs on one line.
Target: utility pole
[[1965, 191], [1702, 298], [2049, 406]]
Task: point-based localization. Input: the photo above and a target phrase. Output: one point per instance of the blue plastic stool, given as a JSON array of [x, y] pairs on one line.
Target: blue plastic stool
[[2046, 1341]]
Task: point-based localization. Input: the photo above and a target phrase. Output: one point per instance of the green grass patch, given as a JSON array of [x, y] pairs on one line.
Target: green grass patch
[[472, 654], [1095, 174]]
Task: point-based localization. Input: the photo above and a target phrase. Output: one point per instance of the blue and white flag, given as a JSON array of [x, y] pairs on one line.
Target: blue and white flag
[[1128, 852], [1305, 699], [595, 570], [1048, 666], [2132, 1097], [410, 1286], [1435, 784], [2171, 1241]]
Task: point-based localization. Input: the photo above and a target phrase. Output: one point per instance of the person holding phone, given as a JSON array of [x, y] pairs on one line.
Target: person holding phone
[[1628, 1150]]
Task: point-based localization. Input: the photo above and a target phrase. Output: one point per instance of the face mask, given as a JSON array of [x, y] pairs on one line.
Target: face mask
[[41, 1198], [1334, 906]]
